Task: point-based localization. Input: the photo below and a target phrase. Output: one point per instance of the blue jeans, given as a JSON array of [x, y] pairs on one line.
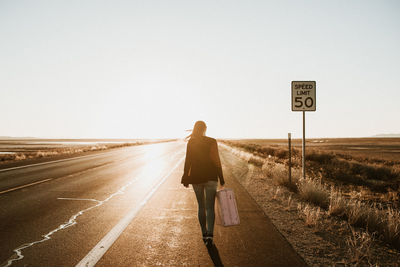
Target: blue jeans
[[205, 195]]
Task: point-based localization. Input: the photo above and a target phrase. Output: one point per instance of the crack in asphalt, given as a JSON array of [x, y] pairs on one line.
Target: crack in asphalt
[[72, 221]]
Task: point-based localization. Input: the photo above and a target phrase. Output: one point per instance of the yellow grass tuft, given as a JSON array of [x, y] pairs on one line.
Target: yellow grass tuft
[[337, 203], [312, 215], [359, 244], [314, 192]]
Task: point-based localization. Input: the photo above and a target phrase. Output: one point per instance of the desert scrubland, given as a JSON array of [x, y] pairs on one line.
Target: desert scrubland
[[369, 164], [350, 195]]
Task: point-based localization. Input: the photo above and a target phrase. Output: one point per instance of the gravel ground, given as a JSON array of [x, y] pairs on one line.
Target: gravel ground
[[325, 241]]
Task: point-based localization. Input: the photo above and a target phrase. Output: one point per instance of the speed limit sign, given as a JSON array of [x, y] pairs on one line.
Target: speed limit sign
[[303, 99], [303, 96]]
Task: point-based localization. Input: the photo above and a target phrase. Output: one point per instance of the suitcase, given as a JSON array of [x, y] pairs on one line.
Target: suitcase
[[227, 212]]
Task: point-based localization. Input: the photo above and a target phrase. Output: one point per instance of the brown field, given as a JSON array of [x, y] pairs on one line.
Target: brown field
[[356, 180], [351, 163], [385, 149]]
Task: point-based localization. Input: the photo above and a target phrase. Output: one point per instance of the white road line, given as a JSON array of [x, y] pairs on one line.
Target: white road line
[[25, 185], [98, 251], [45, 180], [82, 199], [44, 163]]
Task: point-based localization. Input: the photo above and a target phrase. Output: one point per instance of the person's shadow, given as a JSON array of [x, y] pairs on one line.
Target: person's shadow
[[214, 255]]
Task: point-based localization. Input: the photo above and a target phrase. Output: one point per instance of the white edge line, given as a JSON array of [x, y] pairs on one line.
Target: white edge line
[[79, 199], [101, 248], [44, 163], [23, 186]]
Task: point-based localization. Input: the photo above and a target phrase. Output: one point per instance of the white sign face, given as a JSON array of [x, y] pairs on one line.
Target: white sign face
[[303, 96]]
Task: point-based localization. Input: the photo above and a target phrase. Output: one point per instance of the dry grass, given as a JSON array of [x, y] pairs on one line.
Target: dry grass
[[342, 169], [370, 217], [19, 156], [359, 244], [383, 221], [314, 192], [391, 227], [378, 178], [373, 218], [312, 215], [356, 213], [256, 161], [278, 172], [337, 203], [289, 202], [391, 196], [280, 175], [263, 151], [247, 156], [371, 150], [276, 194], [66, 150]]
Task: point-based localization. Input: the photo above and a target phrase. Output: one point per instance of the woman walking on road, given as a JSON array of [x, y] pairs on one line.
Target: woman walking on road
[[202, 170]]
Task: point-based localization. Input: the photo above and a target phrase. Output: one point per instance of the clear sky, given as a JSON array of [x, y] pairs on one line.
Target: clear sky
[[134, 69]]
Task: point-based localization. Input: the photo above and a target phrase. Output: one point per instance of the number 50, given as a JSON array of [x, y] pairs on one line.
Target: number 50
[[308, 102]]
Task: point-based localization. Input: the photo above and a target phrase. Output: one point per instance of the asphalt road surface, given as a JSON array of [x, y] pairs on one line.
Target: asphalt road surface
[[125, 207]]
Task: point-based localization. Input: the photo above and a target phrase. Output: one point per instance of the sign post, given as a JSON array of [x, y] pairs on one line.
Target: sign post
[[290, 157], [303, 150], [304, 99]]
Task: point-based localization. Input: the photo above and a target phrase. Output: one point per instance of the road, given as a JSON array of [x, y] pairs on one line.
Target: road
[[125, 207]]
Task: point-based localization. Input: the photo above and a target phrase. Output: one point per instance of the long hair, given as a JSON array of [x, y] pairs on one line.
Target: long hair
[[198, 129]]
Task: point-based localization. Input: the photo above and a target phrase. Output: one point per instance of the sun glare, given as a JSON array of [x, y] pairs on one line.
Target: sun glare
[[155, 162]]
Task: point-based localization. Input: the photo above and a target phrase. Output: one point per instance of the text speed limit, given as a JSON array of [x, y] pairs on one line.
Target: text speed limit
[[303, 96]]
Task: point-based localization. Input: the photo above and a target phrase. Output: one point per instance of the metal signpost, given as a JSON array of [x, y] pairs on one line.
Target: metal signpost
[[290, 157], [303, 99]]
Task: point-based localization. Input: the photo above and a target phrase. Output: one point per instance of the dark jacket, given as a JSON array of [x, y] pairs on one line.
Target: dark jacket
[[202, 162]]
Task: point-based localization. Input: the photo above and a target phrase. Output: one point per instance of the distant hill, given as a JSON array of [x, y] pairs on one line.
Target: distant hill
[[387, 135]]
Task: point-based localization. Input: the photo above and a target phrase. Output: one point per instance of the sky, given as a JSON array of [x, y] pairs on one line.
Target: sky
[[150, 69]]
